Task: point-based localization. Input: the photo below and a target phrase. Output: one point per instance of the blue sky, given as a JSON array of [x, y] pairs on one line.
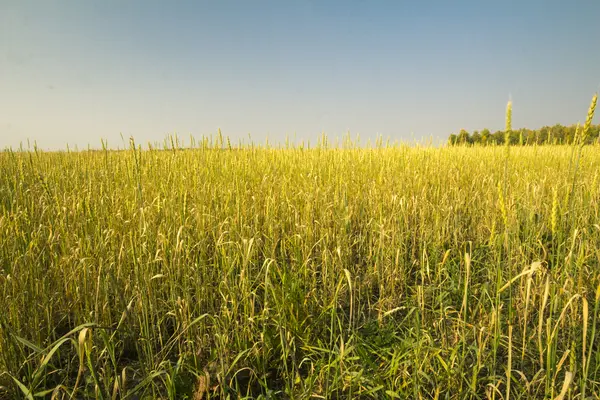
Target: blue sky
[[73, 72]]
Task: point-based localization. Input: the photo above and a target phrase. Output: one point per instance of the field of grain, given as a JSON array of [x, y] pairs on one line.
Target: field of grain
[[254, 272]]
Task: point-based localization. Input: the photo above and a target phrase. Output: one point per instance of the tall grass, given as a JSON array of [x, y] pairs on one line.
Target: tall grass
[[253, 272]]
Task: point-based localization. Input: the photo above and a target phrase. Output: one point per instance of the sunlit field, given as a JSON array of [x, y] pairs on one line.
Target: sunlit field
[[223, 272]]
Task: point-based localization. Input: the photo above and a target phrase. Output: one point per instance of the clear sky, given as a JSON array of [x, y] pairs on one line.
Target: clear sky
[[77, 71]]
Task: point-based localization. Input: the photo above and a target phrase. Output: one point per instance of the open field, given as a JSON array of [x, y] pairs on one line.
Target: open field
[[455, 272]]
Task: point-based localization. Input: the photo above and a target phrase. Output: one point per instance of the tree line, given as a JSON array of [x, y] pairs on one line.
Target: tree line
[[557, 134]]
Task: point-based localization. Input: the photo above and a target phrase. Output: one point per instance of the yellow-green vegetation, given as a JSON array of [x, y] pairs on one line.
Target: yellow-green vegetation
[[385, 272]]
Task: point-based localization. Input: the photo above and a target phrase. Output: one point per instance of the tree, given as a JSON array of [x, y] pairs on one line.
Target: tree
[[485, 136], [498, 137], [560, 133], [557, 134], [463, 137], [453, 140], [475, 137], [544, 136]]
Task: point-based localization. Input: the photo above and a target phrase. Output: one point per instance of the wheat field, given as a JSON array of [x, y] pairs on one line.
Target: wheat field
[[215, 271]]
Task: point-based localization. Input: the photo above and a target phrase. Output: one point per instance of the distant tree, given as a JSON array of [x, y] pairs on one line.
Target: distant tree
[[463, 137], [498, 137], [560, 134], [594, 134], [544, 135], [530, 136], [514, 137], [485, 136], [556, 134]]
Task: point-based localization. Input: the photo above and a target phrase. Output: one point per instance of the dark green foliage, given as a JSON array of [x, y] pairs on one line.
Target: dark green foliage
[[557, 134]]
